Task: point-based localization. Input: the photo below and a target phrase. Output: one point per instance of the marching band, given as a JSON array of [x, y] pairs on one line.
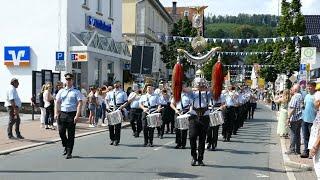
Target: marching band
[[197, 112]]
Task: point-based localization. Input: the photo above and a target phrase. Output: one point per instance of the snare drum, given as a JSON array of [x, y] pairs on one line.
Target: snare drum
[[154, 120], [216, 118], [182, 121], [114, 117]]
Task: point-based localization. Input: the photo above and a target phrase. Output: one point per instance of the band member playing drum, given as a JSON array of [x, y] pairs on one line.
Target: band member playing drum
[[135, 110], [199, 120], [230, 114], [116, 100], [213, 131], [149, 103], [180, 108], [164, 101]]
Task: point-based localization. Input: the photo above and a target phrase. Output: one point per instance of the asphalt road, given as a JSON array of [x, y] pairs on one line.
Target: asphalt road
[[252, 154]]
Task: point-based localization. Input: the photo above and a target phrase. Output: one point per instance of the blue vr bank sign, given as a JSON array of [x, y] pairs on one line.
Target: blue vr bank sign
[[98, 23]]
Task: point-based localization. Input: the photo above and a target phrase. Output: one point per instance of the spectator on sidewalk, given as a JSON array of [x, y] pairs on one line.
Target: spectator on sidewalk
[[295, 119], [309, 116], [41, 106], [100, 100], [67, 111], [283, 100], [84, 101], [92, 106], [13, 104], [49, 106]]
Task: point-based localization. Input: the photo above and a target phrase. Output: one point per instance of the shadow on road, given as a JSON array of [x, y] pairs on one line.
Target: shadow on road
[[177, 175], [97, 157]]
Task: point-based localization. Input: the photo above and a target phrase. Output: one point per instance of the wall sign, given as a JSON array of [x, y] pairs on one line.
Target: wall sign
[[17, 55], [98, 23], [79, 57]]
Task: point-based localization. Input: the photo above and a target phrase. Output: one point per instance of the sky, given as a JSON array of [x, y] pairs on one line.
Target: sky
[[234, 7]]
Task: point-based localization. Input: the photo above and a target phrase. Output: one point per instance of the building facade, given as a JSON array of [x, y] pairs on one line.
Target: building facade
[[146, 23], [85, 35], [179, 12]]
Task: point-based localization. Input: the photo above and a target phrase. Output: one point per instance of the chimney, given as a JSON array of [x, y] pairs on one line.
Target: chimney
[[174, 7]]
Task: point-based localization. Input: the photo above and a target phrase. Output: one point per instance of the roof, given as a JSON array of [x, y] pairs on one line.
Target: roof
[[312, 23]]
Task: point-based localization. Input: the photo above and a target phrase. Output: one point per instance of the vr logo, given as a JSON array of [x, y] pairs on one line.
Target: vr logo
[[17, 56]]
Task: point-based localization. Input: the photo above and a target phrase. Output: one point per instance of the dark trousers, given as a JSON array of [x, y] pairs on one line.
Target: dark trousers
[[49, 115], [236, 122], [212, 136], [198, 129], [306, 129], [66, 124], [181, 137], [295, 139], [114, 132], [252, 108], [135, 120], [13, 120], [229, 117], [147, 131], [103, 111]]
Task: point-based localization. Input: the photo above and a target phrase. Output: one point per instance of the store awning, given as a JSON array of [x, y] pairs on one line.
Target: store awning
[[98, 43]]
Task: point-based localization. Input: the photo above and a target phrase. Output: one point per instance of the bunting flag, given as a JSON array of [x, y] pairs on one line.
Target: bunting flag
[[256, 40]]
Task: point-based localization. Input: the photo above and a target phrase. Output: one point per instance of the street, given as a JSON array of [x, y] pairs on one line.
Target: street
[[254, 153]]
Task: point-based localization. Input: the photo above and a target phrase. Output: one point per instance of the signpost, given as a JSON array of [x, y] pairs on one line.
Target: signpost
[[60, 62]]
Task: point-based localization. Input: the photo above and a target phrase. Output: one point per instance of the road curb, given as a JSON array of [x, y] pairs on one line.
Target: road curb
[[300, 166], [6, 152]]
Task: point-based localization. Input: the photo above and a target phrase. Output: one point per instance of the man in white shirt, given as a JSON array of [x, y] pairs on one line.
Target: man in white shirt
[[13, 104]]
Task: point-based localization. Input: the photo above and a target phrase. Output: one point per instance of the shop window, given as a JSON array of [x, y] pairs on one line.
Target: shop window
[[99, 8]]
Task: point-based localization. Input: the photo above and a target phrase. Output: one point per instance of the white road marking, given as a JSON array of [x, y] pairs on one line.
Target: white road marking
[[259, 175], [171, 142]]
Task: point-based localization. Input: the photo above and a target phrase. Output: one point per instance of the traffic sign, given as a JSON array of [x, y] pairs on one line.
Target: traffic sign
[[308, 55], [60, 62]]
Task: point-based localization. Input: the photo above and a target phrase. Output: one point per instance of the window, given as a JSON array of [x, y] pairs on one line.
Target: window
[[85, 5], [110, 8], [186, 13], [99, 6]]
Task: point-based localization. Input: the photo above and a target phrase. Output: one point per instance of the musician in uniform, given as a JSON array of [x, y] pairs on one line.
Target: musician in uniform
[[116, 99], [199, 120], [229, 115], [149, 103], [213, 132], [182, 107], [135, 110], [164, 100], [67, 112]]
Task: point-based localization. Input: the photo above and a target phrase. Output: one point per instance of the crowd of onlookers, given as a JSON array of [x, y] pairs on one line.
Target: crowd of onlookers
[[299, 118]]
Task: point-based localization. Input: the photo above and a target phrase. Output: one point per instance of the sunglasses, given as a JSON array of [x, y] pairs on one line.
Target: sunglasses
[[69, 79]]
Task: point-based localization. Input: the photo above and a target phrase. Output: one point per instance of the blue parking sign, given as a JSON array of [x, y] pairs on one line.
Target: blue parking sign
[[303, 67], [60, 56]]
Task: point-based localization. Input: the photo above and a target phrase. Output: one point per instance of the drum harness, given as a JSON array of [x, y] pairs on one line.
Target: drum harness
[[200, 111]]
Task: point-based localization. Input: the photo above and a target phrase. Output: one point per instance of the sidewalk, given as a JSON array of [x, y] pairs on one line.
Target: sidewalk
[[36, 136], [302, 167]]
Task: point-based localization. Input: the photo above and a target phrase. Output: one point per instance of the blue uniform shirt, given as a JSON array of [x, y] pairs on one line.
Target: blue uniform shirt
[[230, 98], [164, 100], [135, 103], [205, 101], [186, 101], [120, 95], [69, 99], [149, 100]]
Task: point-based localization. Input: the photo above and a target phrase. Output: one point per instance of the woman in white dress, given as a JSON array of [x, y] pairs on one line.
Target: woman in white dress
[[282, 129], [314, 141]]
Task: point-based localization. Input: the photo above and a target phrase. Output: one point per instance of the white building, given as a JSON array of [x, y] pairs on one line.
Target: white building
[[89, 30]]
